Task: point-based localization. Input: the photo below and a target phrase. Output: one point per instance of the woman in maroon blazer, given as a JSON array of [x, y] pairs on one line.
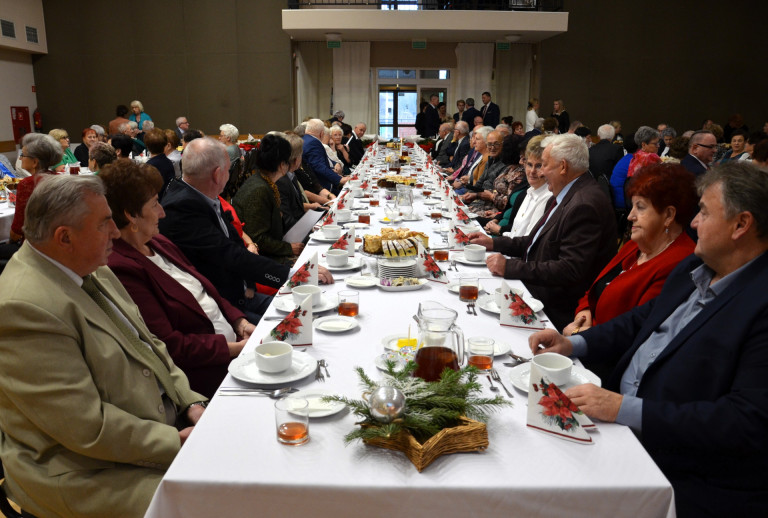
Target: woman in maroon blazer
[[664, 202], [181, 307]]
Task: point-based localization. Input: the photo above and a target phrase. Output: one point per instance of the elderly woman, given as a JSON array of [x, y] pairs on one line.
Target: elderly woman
[[172, 151], [137, 114], [39, 153], [157, 143], [738, 146], [228, 135], [663, 204], [67, 157], [481, 197], [470, 180], [647, 140], [563, 119], [336, 143], [90, 137], [99, 155], [333, 158], [257, 203], [528, 196], [180, 306], [517, 128]]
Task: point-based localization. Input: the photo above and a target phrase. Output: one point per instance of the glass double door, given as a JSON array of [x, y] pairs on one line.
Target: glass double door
[[398, 106]]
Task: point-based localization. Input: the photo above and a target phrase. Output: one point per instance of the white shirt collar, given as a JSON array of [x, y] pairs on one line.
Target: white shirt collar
[[69, 273]]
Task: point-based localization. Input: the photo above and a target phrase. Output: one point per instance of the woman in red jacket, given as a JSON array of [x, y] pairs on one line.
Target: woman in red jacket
[[664, 202], [180, 306]]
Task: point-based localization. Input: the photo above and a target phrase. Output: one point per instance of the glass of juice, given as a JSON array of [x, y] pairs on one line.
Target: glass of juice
[[480, 352], [349, 303], [292, 421]]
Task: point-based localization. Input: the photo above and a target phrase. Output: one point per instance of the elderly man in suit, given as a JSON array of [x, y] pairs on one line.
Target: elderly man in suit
[[461, 139], [604, 155], [315, 158], [355, 143], [701, 151], [182, 125], [571, 243], [92, 408], [690, 376]]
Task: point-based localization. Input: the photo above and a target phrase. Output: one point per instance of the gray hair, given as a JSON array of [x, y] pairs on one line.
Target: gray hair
[[470, 101], [297, 145], [134, 104], [231, 132], [124, 126], [645, 134], [58, 201], [300, 129], [202, 156], [315, 127], [339, 114], [133, 125], [463, 127], [147, 126], [539, 123], [669, 131], [745, 189], [179, 120], [606, 132], [568, 147], [504, 129], [43, 147], [482, 132], [335, 129], [99, 130]]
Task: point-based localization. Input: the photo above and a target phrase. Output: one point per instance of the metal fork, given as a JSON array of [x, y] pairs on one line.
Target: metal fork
[[324, 365], [318, 373], [469, 308], [472, 305], [497, 378], [453, 265]]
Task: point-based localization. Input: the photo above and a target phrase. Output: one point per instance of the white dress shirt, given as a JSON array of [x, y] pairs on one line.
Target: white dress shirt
[[530, 211]]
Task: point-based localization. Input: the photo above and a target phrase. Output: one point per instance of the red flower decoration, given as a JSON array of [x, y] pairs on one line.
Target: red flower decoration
[[431, 266], [460, 236], [288, 327], [461, 215], [557, 407], [301, 275], [341, 243]]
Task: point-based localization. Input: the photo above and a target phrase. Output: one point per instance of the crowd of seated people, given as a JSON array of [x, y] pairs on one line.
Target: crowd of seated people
[[201, 271]]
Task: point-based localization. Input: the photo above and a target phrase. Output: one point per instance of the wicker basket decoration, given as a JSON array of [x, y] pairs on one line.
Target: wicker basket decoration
[[469, 435]]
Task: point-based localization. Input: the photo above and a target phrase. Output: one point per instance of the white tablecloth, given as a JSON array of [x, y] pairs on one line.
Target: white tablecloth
[[233, 466], [6, 218]]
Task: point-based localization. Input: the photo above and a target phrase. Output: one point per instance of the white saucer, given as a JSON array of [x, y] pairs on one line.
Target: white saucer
[[335, 324], [501, 348], [352, 264], [243, 368], [318, 236], [286, 304], [453, 287], [355, 225], [361, 281], [459, 258], [390, 342], [432, 202], [520, 376], [412, 287], [386, 220], [318, 407]]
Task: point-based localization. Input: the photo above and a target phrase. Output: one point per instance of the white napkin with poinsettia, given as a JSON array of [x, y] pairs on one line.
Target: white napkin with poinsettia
[[427, 267], [306, 274], [296, 327]]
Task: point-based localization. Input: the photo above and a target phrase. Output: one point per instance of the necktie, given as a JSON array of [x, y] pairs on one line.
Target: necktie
[[550, 207], [157, 366]]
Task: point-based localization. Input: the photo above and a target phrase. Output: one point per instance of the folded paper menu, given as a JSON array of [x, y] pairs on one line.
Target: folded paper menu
[[551, 411], [346, 242], [296, 327], [306, 274], [427, 267], [515, 312]]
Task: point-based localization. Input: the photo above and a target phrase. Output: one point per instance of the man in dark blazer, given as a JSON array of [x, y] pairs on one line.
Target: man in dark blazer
[[431, 117], [690, 376], [571, 243], [701, 151], [315, 158], [182, 125], [490, 111], [195, 223], [461, 137], [471, 112], [604, 155], [355, 144]]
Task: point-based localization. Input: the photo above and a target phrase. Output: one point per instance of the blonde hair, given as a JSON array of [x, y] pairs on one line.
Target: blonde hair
[[137, 104], [58, 134]]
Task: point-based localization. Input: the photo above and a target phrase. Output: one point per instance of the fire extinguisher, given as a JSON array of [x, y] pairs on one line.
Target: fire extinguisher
[[38, 120]]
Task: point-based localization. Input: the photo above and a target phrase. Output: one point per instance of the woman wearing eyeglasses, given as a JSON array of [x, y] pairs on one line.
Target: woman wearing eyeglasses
[[68, 156], [647, 140]]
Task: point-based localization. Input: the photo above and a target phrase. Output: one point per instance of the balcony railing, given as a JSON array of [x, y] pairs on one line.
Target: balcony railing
[[436, 5]]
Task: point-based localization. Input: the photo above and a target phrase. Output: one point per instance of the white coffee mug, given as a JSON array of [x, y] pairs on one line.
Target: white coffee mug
[[331, 231], [554, 367], [337, 257], [474, 252], [343, 214], [301, 292]]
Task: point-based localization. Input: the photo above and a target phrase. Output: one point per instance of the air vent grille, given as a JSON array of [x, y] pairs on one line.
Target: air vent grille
[[32, 34], [8, 28]]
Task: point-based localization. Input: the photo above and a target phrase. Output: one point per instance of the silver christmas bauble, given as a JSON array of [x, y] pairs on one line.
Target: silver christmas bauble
[[387, 404]]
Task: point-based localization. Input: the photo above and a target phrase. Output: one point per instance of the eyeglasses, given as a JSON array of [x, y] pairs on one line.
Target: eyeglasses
[[708, 146], [493, 144]]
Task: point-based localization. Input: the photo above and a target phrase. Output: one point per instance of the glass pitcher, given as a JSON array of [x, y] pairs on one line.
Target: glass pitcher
[[441, 342]]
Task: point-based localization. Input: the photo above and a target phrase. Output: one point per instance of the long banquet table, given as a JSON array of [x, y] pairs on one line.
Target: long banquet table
[[232, 464]]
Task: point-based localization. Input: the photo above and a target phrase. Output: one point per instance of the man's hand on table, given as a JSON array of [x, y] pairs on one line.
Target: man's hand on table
[[184, 434], [497, 264], [324, 276], [552, 341], [595, 401], [479, 238]]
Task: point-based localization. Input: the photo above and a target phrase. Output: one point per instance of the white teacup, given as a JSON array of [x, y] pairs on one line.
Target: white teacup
[[474, 252], [343, 214], [554, 367], [337, 257], [355, 183], [274, 356], [357, 192], [302, 292], [331, 231]]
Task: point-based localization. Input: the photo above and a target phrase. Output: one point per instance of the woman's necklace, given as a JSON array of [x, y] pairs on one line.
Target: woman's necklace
[[648, 257]]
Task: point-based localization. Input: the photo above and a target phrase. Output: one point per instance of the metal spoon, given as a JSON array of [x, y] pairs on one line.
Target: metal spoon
[[274, 394], [494, 388]]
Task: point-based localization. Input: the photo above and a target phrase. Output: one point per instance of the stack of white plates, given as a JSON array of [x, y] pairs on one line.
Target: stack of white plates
[[393, 268]]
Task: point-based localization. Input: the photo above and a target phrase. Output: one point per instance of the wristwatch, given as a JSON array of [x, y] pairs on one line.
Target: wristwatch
[[203, 404]]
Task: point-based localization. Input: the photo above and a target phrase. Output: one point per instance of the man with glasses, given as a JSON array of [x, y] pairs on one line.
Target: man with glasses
[[701, 151], [182, 125]]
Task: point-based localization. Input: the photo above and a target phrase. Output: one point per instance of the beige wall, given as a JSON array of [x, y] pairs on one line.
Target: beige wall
[[24, 13], [214, 62], [14, 92]]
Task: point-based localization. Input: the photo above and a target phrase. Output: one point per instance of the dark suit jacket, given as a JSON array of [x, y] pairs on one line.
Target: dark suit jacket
[[178, 133], [603, 157], [192, 225], [172, 313], [705, 398], [461, 151], [314, 157], [163, 164], [446, 151], [431, 121], [356, 150], [291, 202], [492, 115], [469, 116], [573, 247], [691, 163]]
